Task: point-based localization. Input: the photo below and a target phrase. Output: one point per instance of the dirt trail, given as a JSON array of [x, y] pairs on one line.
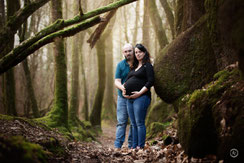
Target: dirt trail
[[108, 135]]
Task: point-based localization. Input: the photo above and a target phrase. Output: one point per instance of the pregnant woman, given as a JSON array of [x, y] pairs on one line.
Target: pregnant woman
[[137, 90]]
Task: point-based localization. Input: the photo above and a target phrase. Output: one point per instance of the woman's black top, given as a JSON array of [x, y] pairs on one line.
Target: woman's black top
[[144, 76]]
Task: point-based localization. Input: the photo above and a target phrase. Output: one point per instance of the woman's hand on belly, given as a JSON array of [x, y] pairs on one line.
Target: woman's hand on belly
[[135, 94]]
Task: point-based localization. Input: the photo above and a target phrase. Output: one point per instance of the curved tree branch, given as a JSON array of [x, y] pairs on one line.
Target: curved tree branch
[[60, 24], [13, 58], [17, 20], [20, 53]]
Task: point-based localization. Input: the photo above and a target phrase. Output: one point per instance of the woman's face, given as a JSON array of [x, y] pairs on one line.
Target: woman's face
[[139, 54]]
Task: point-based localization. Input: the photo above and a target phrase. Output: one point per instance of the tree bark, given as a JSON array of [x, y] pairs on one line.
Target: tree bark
[[95, 117], [157, 24], [30, 90], [136, 22], [169, 15], [9, 81], [2, 14], [108, 101], [83, 74], [2, 22], [59, 112], [74, 98], [29, 87], [145, 25], [126, 25], [85, 108]]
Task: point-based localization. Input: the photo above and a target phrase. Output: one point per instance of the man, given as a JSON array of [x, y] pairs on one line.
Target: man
[[121, 73]]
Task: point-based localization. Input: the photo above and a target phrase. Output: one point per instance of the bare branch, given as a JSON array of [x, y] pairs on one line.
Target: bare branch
[[99, 30]]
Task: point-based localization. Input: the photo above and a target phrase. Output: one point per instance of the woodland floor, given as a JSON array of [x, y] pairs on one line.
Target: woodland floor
[[101, 150]]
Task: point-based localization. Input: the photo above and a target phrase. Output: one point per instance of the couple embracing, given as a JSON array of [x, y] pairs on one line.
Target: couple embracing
[[134, 77]]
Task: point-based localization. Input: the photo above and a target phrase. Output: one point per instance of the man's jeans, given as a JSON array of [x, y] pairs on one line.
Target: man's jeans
[[137, 109], [122, 118]]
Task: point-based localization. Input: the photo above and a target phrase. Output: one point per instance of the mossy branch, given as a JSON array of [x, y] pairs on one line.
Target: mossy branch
[[15, 56], [6, 63], [15, 22]]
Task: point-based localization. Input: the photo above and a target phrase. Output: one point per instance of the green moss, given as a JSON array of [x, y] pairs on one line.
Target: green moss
[[21, 150], [156, 128], [159, 112], [197, 116], [188, 63]]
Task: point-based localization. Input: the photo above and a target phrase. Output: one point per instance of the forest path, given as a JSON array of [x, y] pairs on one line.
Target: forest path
[[108, 135]]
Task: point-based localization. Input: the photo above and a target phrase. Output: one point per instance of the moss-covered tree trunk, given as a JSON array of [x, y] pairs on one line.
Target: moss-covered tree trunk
[[59, 112], [178, 17], [169, 15], [85, 108], [8, 79], [95, 117], [157, 24], [187, 14], [74, 98]]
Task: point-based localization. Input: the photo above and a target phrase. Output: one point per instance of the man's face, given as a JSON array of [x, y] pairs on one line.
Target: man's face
[[128, 52]]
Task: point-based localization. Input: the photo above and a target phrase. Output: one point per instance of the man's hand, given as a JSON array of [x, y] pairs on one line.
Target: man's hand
[[124, 93]]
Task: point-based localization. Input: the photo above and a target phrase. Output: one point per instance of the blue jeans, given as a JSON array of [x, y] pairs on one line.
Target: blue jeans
[[137, 110], [122, 119]]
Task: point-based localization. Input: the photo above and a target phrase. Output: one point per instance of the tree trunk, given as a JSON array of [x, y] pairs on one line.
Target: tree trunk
[[145, 25], [2, 14], [178, 17], [29, 87], [126, 24], [136, 22], [9, 81], [74, 98], [169, 15], [85, 106], [157, 24], [59, 112], [95, 117], [108, 101], [2, 22]]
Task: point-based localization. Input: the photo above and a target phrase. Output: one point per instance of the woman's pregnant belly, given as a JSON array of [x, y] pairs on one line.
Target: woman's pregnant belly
[[133, 84]]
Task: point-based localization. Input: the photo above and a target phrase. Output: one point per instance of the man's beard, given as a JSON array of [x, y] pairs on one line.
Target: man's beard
[[128, 58]]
